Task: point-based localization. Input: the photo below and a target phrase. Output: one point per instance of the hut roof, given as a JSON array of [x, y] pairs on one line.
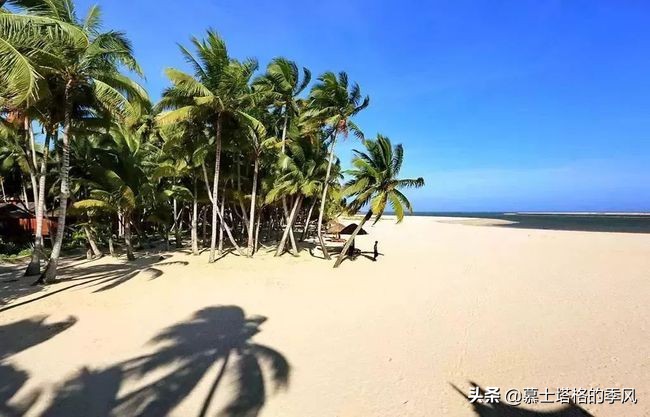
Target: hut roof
[[335, 227], [350, 228]]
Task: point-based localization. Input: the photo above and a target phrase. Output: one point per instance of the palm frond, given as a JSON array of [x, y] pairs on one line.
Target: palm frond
[[111, 99], [19, 77]]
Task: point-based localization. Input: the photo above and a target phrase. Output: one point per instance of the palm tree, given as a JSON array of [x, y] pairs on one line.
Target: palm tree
[[64, 74], [29, 43], [85, 78], [218, 90], [184, 150], [259, 141], [283, 83], [120, 178], [19, 145], [34, 267], [125, 168], [301, 172], [375, 183], [337, 102]]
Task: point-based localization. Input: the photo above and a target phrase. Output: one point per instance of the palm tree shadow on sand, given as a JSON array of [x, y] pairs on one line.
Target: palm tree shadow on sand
[[23, 334], [215, 336], [14, 338], [504, 410], [100, 278]]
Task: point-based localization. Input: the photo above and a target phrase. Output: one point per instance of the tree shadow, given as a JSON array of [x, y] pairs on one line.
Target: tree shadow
[[23, 334], [370, 255], [316, 252], [501, 409], [14, 338], [184, 263], [11, 381], [104, 276], [213, 335], [214, 346], [88, 393], [226, 252]]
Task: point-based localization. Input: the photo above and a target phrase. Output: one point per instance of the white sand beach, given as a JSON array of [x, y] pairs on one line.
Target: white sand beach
[[446, 303]]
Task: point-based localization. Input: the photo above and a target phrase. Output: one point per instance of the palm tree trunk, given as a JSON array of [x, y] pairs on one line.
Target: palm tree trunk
[[244, 217], [324, 199], [127, 236], [32, 164], [344, 251], [175, 212], [34, 267], [25, 199], [177, 223], [292, 238], [215, 190], [287, 229], [306, 229], [178, 228], [166, 237], [229, 234], [49, 275], [205, 226], [284, 127], [221, 221], [120, 224], [91, 241], [2, 185], [257, 231], [111, 248], [251, 237], [220, 213], [34, 181], [195, 220]]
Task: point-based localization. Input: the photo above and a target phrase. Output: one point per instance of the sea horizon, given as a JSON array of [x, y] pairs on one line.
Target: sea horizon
[[613, 222], [523, 213]]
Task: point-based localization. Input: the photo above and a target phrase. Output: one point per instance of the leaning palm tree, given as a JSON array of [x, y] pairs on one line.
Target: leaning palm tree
[[336, 101], [219, 89], [375, 183]]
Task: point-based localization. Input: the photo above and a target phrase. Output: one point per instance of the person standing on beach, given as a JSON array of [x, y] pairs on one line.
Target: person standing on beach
[[376, 252]]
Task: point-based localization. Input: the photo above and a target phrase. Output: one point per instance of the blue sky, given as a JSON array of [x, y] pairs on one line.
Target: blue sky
[[501, 105]]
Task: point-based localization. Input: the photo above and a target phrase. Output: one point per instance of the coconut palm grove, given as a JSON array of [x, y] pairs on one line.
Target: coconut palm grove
[[237, 155]]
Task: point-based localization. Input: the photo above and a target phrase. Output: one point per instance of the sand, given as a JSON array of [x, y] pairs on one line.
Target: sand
[[446, 303]]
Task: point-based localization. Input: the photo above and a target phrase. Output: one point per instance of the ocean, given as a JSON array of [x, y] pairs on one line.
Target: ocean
[[587, 222]]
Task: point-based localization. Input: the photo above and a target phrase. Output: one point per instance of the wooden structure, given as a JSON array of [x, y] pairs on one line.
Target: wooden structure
[[18, 223]]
